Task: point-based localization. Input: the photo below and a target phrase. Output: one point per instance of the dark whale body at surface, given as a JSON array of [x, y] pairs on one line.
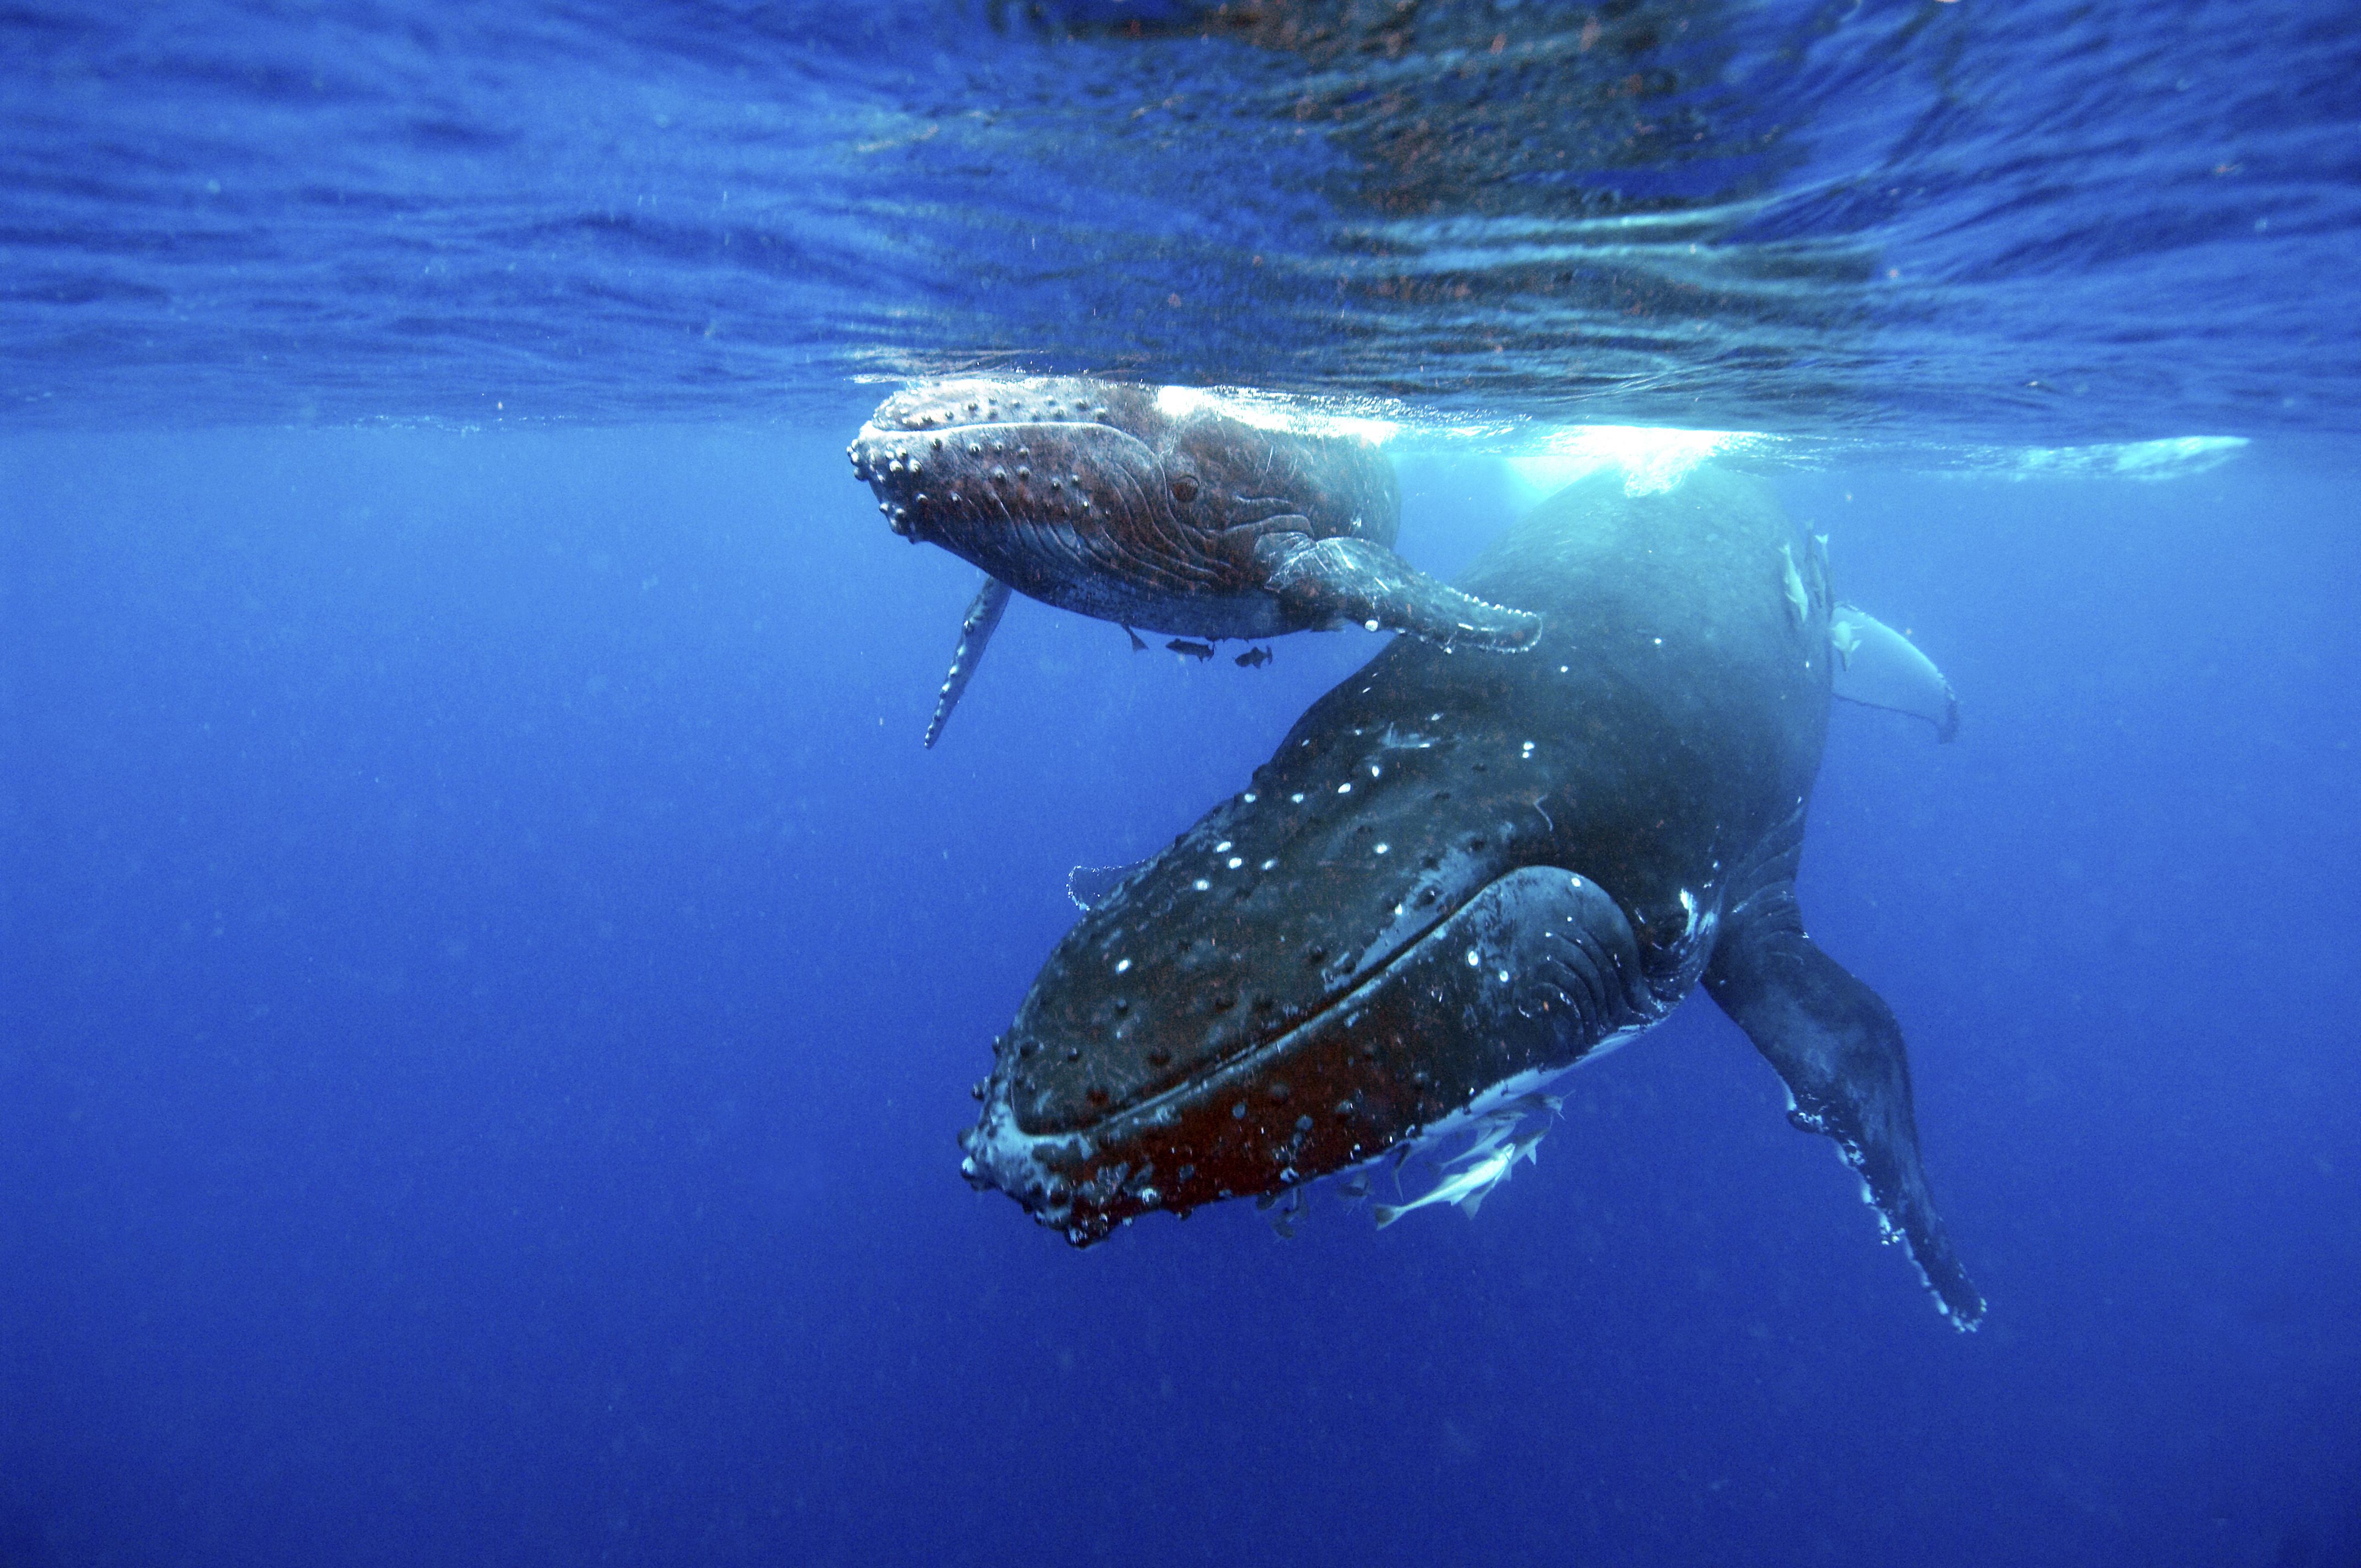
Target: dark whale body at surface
[[1151, 507], [1458, 877]]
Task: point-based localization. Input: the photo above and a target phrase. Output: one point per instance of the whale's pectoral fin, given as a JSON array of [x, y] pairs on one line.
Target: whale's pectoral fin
[[1836, 1044], [1879, 667], [976, 628], [1330, 581], [1088, 886]]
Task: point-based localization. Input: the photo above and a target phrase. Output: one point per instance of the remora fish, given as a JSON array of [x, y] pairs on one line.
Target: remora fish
[[1458, 877], [1468, 1188], [1148, 509]]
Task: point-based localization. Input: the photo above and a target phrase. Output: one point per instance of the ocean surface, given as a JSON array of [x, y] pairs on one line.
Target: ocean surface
[[489, 978]]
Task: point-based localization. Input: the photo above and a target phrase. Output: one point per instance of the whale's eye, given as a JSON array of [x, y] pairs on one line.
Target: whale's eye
[[1184, 489]]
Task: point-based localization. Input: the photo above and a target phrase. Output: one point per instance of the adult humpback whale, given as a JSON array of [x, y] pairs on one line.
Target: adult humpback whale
[[1459, 877], [1147, 509]]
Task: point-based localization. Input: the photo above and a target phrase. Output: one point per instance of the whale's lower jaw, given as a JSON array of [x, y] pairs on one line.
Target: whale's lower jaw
[[1533, 973]]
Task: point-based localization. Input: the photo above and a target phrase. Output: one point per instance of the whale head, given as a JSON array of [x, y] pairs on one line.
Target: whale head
[[1383, 930], [1103, 497]]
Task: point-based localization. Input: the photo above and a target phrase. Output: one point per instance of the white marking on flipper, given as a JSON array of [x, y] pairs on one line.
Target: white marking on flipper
[[975, 632]]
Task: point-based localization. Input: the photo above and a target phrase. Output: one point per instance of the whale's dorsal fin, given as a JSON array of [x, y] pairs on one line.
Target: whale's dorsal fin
[[976, 628], [1879, 667]]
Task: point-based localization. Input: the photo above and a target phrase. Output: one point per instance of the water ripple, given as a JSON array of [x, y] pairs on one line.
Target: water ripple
[[1919, 223]]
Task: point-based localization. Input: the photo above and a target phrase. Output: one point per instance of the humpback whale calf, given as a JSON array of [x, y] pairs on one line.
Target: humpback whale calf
[[1460, 877], [1149, 510]]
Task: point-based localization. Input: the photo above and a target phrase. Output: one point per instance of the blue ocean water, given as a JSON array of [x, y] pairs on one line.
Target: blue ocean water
[[489, 980]]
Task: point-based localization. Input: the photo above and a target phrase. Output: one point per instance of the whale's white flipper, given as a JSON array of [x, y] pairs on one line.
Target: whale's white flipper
[[982, 619], [1879, 667]]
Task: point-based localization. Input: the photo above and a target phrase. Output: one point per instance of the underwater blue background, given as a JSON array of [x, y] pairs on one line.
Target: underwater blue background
[[493, 980], [489, 980]]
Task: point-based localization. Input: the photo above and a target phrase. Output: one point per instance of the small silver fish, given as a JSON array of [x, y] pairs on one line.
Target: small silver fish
[[1798, 600], [1469, 1188], [1844, 636]]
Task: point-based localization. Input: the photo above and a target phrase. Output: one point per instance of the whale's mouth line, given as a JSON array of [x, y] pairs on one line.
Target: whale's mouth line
[[1253, 1052]]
